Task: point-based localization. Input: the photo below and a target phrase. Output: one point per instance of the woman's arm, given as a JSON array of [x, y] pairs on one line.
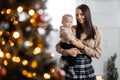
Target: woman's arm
[[93, 52], [97, 50], [72, 52], [60, 50]]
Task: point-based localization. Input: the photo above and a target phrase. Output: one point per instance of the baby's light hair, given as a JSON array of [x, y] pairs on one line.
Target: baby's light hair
[[66, 15]]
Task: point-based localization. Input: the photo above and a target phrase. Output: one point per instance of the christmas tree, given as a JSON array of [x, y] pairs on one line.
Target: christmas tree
[[24, 26], [112, 73]]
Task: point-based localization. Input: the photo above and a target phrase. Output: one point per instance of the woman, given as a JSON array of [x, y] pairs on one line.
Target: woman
[[89, 45]]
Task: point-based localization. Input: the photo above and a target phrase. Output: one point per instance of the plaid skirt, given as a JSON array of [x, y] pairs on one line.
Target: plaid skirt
[[81, 70]]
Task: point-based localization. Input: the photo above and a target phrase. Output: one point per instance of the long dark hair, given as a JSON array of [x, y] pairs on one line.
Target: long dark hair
[[89, 29]]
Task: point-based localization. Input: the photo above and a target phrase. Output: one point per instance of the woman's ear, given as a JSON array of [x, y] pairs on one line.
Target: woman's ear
[[62, 21]]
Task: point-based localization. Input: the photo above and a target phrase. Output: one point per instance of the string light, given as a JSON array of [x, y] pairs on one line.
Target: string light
[[20, 9], [47, 76], [36, 50], [5, 62], [3, 42], [24, 62], [24, 72], [1, 53], [16, 34], [34, 64], [1, 33], [31, 12], [8, 56], [29, 75], [32, 20], [2, 12], [8, 11], [11, 43], [34, 74], [16, 59], [15, 22], [52, 70]]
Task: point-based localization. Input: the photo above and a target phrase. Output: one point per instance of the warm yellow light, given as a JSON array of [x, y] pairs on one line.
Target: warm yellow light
[[47, 76], [3, 42], [16, 59], [15, 22], [20, 9], [8, 56], [11, 43], [52, 70], [24, 62], [31, 12], [36, 50], [5, 62], [8, 11], [32, 20], [29, 75], [24, 72], [31, 43], [34, 74], [34, 64], [2, 12], [16, 34], [1, 53], [1, 33]]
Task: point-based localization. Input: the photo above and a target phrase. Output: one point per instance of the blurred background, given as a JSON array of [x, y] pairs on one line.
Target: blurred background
[[29, 32]]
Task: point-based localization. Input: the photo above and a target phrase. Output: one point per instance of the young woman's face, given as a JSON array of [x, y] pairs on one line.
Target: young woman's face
[[79, 16]]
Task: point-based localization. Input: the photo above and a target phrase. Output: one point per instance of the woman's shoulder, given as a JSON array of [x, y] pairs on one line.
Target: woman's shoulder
[[96, 28]]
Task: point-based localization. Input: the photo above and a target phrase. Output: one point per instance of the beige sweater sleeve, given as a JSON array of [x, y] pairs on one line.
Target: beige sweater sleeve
[[97, 50], [60, 50]]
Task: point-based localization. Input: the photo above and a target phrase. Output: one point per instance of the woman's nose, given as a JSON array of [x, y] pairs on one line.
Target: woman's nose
[[79, 16]]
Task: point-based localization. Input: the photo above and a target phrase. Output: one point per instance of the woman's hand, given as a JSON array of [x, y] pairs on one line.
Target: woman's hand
[[78, 44], [72, 52]]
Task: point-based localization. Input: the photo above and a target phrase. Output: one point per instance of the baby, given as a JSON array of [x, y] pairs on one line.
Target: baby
[[67, 37], [66, 33]]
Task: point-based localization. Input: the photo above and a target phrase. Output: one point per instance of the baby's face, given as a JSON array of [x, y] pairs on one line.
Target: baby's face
[[67, 22]]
